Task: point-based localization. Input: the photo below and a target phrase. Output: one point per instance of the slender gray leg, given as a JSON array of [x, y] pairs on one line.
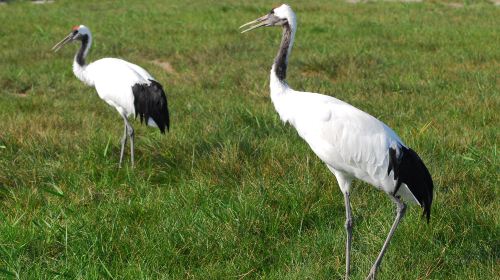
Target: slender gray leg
[[131, 135], [124, 142], [345, 185], [130, 131], [400, 212], [348, 228]]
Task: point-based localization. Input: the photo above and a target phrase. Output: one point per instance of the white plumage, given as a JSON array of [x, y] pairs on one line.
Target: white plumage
[[352, 143], [113, 80], [127, 87]]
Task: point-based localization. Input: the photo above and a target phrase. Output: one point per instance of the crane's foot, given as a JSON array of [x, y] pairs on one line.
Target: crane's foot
[[371, 276]]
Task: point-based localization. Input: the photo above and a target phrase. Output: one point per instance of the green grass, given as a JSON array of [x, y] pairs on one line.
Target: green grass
[[231, 192]]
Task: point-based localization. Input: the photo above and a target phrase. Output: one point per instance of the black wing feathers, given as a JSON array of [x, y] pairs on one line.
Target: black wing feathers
[[150, 101], [410, 170]]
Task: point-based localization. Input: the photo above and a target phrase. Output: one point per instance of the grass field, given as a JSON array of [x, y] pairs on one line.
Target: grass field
[[231, 192]]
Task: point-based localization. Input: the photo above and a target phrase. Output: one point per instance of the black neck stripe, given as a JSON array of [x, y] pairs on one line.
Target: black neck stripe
[[281, 60], [80, 56]]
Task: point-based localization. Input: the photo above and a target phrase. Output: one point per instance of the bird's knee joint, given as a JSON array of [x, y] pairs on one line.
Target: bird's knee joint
[[348, 224], [402, 208]]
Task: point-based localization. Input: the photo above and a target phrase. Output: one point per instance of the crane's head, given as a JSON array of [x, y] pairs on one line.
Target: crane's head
[[78, 32], [278, 16]]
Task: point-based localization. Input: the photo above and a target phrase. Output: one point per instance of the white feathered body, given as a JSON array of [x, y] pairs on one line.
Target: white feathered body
[[352, 143], [113, 80]]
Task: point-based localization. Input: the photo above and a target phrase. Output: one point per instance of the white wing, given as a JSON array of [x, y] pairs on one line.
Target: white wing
[[114, 78], [144, 74], [344, 137]]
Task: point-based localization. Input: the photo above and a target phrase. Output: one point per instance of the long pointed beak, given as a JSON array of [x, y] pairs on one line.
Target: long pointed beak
[[262, 21], [63, 42]]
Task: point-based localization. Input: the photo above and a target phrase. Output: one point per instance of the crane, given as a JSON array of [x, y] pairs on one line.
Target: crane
[[127, 87], [352, 143]]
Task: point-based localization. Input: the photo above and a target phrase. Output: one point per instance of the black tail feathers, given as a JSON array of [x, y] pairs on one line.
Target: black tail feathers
[[410, 170], [150, 101]]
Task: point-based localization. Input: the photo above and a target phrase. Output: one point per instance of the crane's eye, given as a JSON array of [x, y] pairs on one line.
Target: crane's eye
[[75, 32], [272, 11]]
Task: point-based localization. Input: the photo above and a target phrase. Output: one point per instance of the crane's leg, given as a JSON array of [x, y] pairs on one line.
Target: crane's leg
[[348, 228], [400, 212], [123, 142], [131, 135], [345, 186], [130, 131]]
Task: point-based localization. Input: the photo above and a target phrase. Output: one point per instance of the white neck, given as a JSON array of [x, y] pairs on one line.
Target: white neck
[[79, 65]]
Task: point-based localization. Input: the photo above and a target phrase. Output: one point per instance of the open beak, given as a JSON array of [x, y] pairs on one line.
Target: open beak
[[63, 42], [262, 21]]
